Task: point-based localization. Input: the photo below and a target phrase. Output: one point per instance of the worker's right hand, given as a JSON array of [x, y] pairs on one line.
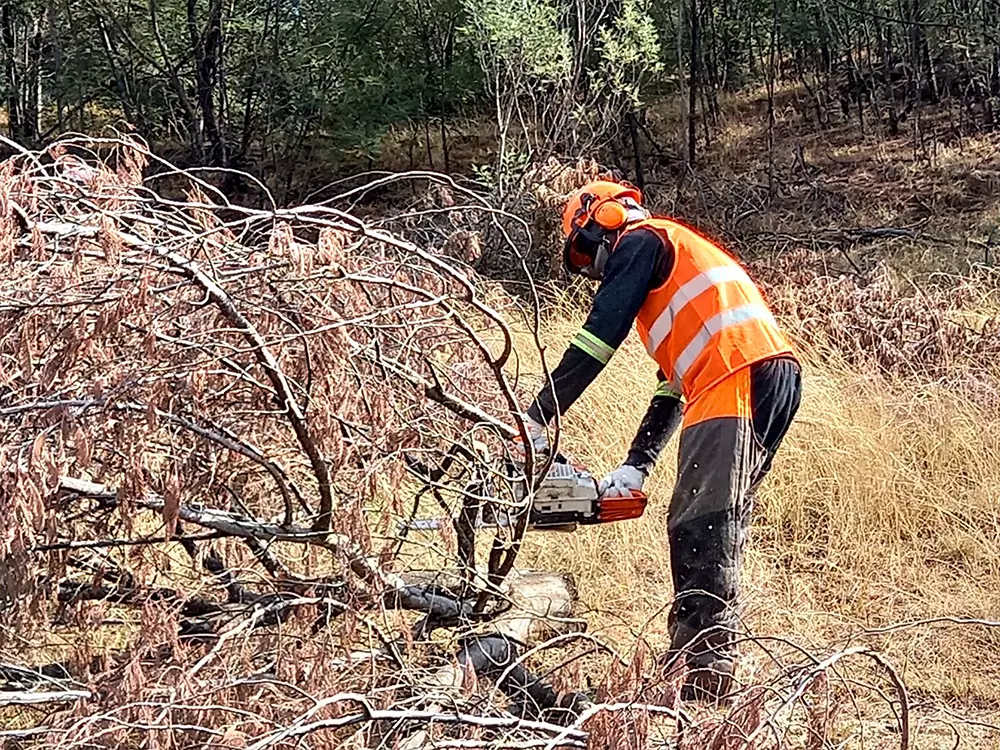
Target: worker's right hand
[[621, 482], [537, 436]]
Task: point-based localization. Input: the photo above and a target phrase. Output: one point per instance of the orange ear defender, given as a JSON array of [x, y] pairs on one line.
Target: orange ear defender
[[610, 214], [584, 200]]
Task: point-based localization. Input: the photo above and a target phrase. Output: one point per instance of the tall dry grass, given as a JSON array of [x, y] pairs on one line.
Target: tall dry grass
[[882, 507]]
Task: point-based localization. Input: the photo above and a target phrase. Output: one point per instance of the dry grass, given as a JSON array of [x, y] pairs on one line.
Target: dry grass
[[882, 508]]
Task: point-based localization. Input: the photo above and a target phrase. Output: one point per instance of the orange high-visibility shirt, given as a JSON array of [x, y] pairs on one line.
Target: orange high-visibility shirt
[[708, 319]]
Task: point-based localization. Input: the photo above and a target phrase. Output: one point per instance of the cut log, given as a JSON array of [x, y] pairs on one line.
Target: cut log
[[542, 605], [541, 602]]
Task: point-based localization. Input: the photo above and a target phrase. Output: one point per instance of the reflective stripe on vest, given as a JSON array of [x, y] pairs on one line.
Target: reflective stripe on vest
[[691, 289], [715, 324]]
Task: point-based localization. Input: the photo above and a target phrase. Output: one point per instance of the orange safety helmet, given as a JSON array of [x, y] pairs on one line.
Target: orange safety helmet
[[591, 214]]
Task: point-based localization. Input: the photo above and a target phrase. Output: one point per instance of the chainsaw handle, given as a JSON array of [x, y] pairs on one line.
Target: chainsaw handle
[[621, 508]]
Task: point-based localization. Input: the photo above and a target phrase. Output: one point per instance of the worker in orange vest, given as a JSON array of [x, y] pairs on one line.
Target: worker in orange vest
[[726, 373]]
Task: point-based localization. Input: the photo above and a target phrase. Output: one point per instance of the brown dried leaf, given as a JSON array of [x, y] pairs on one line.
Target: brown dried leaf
[[469, 680], [7, 239], [26, 356], [152, 417], [149, 344], [38, 451], [111, 241], [50, 371], [37, 241], [330, 246], [142, 292], [279, 243], [84, 448], [232, 738], [171, 503]]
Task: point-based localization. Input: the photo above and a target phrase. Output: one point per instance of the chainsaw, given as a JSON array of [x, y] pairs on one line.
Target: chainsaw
[[566, 498]]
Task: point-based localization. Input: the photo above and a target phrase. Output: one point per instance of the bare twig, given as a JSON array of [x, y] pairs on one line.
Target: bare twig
[[34, 699]]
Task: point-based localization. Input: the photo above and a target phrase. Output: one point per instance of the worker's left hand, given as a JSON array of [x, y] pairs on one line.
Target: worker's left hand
[[536, 434], [621, 482]]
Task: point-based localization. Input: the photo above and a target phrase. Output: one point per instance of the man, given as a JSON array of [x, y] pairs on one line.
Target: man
[[726, 373]]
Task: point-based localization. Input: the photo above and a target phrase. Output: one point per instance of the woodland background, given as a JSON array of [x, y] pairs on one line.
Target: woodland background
[[295, 90]]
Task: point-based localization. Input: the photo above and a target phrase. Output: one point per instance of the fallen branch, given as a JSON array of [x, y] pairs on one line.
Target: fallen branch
[[52, 674], [814, 672], [214, 434], [931, 621], [435, 392], [563, 737], [25, 734], [111, 543], [396, 592], [32, 699], [261, 351], [236, 525]]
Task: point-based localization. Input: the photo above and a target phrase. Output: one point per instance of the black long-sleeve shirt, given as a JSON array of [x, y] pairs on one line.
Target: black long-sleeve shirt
[[640, 262]]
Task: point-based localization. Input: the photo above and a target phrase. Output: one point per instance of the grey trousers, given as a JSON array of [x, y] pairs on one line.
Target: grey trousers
[[721, 463]]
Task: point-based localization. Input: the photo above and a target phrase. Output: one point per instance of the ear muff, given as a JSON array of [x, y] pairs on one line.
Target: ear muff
[[609, 214]]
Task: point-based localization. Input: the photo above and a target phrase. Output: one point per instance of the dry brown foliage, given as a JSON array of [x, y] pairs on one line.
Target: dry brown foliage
[[904, 328], [284, 379], [212, 417]]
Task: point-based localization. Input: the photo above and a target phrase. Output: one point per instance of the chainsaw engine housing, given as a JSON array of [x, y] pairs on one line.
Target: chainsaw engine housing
[[568, 497]]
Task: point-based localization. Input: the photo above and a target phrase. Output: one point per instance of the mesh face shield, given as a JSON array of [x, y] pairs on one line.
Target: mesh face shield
[[595, 228], [587, 247], [586, 252]]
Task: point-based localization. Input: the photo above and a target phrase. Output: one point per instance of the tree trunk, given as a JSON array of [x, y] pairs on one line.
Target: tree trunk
[[15, 112], [685, 113], [252, 93], [995, 72], [33, 84], [888, 93], [633, 130], [728, 65], [207, 46], [169, 70], [55, 41], [772, 49], [121, 84], [693, 84]]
